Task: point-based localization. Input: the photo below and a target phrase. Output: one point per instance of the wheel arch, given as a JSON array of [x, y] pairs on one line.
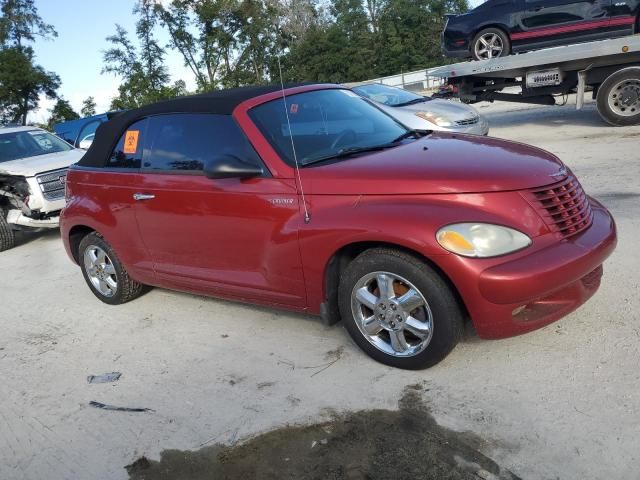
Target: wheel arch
[[347, 253], [499, 26], [76, 234]]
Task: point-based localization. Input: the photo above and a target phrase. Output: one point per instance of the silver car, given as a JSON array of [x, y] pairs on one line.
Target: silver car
[[423, 113]]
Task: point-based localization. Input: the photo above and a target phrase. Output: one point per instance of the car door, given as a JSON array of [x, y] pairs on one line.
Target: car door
[[109, 204], [231, 237], [546, 21]]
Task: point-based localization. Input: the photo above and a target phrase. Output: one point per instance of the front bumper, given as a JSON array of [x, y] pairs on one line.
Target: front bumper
[[531, 291], [480, 128], [16, 217]]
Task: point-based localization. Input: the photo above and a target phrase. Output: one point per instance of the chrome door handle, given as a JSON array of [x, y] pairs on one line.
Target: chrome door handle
[[143, 196]]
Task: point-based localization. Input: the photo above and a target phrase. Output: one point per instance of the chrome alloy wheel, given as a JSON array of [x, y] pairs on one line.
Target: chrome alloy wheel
[[392, 314], [489, 45], [100, 271], [624, 98]]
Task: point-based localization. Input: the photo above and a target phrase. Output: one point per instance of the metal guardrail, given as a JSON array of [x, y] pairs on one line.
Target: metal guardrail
[[418, 80]]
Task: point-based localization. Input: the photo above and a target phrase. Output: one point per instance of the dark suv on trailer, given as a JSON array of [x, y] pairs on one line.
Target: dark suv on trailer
[[497, 28]]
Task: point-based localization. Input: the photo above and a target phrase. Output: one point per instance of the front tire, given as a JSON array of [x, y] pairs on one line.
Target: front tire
[[7, 236], [490, 43], [398, 309], [618, 97], [104, 273]]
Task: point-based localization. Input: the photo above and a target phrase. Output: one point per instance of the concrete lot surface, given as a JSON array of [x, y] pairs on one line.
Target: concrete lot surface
[[559, 403]]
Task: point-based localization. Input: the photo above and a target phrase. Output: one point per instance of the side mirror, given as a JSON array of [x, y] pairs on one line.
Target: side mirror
[[230, 166]]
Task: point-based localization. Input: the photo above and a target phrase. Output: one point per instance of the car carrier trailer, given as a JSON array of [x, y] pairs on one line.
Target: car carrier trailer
[[608, 68]]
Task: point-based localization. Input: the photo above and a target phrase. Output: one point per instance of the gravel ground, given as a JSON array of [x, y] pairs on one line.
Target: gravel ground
[[561, 402]]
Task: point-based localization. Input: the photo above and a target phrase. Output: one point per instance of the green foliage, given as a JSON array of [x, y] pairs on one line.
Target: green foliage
[[88, 107], [228, 43], [371, 39], [22, 83], [21, 23], [61, 112], [21, 80], [224, 42], [145, 76]]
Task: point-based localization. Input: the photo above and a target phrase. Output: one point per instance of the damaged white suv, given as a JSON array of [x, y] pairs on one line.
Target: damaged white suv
[[33, 170]]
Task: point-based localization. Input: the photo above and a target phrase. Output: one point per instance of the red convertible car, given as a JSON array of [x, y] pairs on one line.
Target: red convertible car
[[312, 199]]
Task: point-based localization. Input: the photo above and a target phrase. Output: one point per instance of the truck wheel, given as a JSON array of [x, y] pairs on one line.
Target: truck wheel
[[398, 309], [104, 273], [7, 237], [618, 97], [490, 43]]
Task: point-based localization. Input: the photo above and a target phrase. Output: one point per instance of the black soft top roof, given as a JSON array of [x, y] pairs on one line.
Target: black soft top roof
[[221, 102]]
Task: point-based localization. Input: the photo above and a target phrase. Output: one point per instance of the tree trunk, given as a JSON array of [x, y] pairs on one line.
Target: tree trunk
[[25, 109]]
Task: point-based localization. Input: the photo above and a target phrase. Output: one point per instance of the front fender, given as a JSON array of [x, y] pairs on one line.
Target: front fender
[[410, 222]]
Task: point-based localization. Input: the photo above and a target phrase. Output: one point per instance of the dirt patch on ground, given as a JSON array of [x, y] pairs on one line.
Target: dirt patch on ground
[[373, 444]]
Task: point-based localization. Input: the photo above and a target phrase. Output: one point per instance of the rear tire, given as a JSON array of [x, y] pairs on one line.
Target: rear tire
[[104, 273], [7, 236], [490, 43], [398, 309], [618, 97]]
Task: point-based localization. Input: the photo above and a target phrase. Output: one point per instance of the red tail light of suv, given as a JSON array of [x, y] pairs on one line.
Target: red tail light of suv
[[402, 235]]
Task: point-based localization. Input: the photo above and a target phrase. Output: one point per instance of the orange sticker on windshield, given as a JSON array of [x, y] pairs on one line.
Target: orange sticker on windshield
[[294, 108], [131, 141]]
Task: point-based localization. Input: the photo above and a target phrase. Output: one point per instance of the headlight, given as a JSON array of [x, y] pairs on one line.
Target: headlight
[[440, 120], [481, 239]]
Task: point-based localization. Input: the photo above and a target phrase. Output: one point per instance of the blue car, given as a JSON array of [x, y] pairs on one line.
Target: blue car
[[80, 133]]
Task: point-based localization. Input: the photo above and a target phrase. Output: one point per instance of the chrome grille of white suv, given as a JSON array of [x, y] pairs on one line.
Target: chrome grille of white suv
[[52, 184]]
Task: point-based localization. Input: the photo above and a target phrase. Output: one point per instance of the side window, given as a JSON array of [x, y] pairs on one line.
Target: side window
[[184, 142], [88, 130], [128, 151]]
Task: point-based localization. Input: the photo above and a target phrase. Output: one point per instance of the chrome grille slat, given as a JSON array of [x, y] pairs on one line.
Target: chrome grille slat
[[467, 121], [563, 206], [52, 184]]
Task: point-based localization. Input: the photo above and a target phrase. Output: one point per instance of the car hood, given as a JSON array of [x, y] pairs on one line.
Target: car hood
[[31, 166], [439, 163], [453, 110]]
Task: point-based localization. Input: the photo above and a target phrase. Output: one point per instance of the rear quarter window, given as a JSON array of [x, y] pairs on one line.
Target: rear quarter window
[[130, 147]]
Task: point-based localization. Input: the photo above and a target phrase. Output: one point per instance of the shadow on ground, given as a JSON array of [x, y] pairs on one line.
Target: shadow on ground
[[551, 116], [373, 444], [27, 236]]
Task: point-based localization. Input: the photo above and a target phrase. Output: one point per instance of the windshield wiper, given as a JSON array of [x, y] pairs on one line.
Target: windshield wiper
[[407, 134], [347, 152], [412, 102]]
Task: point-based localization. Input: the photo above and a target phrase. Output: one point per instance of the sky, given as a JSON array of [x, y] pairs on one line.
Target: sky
[[76, 54]]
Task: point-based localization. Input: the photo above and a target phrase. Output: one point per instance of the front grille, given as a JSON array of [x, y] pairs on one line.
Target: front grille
[[564, 206], [52, 184], [467, 121]]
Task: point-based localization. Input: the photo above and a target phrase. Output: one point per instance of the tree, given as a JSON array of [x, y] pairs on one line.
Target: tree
[[88, 107], [61, 112], [145, 76], [21, 23], [224, 42], [410, 31], [340, 51], [22, 82]]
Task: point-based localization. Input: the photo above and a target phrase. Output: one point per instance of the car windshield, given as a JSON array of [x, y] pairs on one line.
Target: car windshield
[[390, 96], [325, 124], [29, 143]]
